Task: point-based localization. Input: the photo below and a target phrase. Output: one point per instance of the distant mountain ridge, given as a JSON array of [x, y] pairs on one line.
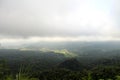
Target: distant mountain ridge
[[65, 52], [72, 64]]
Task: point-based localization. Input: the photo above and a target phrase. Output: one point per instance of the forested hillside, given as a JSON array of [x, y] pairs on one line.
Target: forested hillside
[[90, 63]]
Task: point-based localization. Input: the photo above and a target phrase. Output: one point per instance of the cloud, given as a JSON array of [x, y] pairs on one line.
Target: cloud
[[58, 18]]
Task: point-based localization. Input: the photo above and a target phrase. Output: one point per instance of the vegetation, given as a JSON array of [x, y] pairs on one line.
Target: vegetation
[[91, 63]]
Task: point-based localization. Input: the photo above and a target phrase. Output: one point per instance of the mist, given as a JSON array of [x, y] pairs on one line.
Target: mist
[[59, 20]]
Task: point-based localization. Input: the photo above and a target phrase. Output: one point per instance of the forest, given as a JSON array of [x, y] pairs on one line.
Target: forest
[[59, 39], [73, 61]]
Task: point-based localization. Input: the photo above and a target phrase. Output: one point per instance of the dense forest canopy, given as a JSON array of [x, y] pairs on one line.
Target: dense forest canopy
[[59, 39], [74, 60]]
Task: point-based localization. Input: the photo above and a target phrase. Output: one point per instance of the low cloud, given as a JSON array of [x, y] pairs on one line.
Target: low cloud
[[59, 18]]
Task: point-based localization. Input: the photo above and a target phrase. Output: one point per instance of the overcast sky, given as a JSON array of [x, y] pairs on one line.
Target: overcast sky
[[59, 20]]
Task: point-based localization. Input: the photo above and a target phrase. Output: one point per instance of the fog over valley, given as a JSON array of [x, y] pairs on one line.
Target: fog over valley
[[59, 39], [59, 20]]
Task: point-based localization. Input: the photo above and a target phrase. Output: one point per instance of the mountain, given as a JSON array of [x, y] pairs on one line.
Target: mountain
[[71, 64]]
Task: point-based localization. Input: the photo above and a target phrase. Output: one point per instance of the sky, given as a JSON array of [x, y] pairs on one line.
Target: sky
[[59, 20]]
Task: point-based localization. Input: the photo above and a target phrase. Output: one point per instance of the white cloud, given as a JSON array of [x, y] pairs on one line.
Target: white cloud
[[65, 19]]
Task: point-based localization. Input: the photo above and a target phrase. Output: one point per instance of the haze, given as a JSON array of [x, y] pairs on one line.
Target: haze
[[59, 20]]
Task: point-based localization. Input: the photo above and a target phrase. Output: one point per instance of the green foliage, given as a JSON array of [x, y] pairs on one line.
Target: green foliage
[[24, 77], [117, 77], [10, 77], [38, 65], [20, 77]]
